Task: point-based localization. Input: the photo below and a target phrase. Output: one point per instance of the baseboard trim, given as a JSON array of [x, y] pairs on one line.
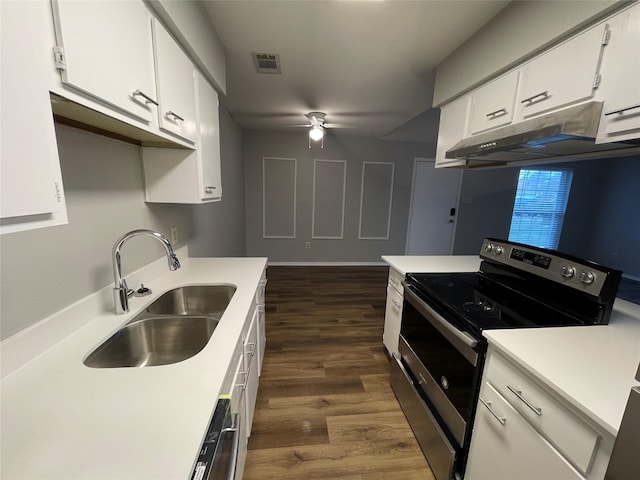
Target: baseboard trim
[[327, 264]]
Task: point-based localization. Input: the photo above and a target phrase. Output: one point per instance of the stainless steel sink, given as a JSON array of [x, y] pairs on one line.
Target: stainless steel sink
[[209, 300], [173, 328]]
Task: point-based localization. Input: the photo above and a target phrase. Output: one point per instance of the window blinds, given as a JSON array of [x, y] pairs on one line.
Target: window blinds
[[539, 207]]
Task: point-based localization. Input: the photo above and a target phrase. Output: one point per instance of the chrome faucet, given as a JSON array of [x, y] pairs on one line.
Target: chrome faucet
[[121, 292]]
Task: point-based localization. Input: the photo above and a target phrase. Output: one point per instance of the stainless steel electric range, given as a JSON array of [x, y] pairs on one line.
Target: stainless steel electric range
[[442, 350]]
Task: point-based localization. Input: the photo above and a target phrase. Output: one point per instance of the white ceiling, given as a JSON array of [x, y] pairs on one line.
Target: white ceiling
[[368, 63]]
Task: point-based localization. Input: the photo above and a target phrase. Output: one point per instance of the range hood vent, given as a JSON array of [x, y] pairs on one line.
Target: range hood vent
[[568, 132]]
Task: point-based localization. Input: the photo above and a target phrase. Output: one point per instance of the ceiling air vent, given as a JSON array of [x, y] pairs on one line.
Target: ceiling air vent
[[266, 62]]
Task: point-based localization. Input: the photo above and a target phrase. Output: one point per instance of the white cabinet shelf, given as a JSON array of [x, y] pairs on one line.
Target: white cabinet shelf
[[31, 193]]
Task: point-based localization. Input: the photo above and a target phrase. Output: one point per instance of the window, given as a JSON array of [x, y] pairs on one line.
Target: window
[[538, 211]]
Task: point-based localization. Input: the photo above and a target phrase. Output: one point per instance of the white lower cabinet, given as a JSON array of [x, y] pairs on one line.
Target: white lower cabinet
[[525, 430], [252, 369], [505, 446], [393, 312], [238, 405]]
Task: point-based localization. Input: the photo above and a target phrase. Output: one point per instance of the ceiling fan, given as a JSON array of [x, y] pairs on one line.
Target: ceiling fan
[[317, 126]]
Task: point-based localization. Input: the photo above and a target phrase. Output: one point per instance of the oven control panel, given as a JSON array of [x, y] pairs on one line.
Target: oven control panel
[[547, 264]]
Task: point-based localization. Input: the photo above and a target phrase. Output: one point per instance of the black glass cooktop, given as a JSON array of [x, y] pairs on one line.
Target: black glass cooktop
[[474, 302]]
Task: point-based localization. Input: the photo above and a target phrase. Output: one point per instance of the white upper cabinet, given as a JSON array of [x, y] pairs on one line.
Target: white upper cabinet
[[452, 129], [31, 194], [562, 76], [492, 105], [108, 53], [175, 86], [621, 79], [186, 176]]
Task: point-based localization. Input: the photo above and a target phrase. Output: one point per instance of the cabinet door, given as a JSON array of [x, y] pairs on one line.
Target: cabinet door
[[31, 183], [562, 76], [175, 86], [251, 368], [621, 79], [209, 140], [492, 104], [238, 403], [108, 52], [453, 122], [504, 445], [392, 321]]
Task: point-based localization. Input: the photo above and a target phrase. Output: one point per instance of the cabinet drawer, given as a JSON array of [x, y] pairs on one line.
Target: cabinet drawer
[[395, 281], [563, 428]]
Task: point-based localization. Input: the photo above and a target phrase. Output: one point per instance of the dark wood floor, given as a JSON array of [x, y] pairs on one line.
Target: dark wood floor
[[325, 409]]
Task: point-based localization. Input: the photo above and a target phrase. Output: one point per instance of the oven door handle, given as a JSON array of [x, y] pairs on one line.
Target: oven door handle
[[446, 328]]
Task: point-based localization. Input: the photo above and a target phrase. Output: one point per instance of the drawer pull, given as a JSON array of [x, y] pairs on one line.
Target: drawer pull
[[622, 110], [394, 281], [397, 304], [174, 116], [518, 393], [497, 113], [487, 404], [147, 98], [537, 97]]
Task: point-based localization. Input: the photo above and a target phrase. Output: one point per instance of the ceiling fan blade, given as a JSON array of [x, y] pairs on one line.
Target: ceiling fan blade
[[297, 126], [339, 125]]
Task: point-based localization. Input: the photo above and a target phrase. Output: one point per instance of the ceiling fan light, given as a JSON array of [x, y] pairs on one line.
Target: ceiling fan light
[[316, 133]]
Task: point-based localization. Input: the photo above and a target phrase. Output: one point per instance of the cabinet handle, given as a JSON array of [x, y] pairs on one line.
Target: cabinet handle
[[252, 351], [532, 99], [147, 98], [174, 116], [622, 110], [518, 393], [396, 303], [487, 404], [497, 113], [394, 281], [243, 385], [209, 189]]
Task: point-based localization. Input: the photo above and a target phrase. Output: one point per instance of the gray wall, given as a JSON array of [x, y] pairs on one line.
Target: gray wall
[[602, 221], [219, 227], [44, 270], [355, 150], [519, 30]]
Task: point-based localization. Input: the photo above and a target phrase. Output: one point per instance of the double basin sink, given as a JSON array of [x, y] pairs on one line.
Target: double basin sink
[[175, 327]]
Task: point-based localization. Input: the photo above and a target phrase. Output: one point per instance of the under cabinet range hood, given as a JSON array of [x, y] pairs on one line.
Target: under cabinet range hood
[[568, 132]]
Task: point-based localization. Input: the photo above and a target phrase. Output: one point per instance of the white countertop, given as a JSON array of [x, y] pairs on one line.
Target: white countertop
[[433, 264], [591, 367], [63, 420]]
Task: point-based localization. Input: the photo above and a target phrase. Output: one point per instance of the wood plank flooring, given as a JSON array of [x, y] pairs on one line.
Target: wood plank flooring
[[325, 409]]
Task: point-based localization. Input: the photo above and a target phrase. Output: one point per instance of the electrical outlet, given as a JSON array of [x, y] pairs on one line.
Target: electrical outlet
[[174, 235], [307, 245]]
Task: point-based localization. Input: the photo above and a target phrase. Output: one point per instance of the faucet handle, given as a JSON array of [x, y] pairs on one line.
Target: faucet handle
[[142, 291]]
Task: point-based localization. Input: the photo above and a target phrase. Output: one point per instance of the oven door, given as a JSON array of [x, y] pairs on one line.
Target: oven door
[[443, 364]]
